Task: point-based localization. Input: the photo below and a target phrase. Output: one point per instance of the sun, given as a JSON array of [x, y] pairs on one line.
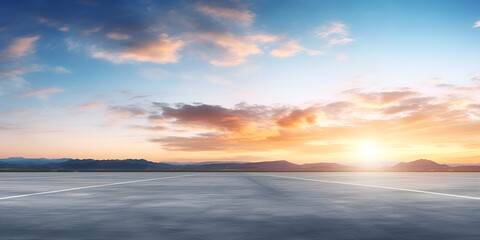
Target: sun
[[369, 151]]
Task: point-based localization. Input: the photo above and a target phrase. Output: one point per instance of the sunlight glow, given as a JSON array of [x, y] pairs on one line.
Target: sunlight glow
[[369, 151]]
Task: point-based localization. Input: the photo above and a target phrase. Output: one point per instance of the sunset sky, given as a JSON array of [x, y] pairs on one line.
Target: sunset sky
[[353, 82]]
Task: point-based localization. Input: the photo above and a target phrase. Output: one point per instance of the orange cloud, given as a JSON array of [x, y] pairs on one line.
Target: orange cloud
[[231, 50], [299, 117], [405, 121], [163, 50], [263, 38], [287, 49], [292, 48]]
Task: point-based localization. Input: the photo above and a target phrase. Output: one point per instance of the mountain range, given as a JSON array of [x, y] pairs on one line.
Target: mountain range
[[68, 164]]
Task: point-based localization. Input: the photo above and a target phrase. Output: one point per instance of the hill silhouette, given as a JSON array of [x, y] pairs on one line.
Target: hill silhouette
[[68, 164], [422, 165]]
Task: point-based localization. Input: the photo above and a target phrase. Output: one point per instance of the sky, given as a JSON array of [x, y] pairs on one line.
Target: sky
[[353, 82]]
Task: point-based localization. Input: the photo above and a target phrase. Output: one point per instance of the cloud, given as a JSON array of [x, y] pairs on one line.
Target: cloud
[[92, 106], [335, 33], [91, 30], [243, 126], [457, 88], [476, 24], [11, 78], [162, 50], [292, 48], [226, 49], [287, 49], [62, 27], [299, 117], [263, 38], [42, 93], [118, 36], [12, 72], [130, 111], [409, 117], [379, 98], [223, 13], [60, 69], [206, 115], [150, 128], [408, 105], [20, 47], [218, 32]]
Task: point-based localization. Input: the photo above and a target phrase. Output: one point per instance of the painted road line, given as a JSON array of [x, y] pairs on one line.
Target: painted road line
[[378, 186], [92, 186]]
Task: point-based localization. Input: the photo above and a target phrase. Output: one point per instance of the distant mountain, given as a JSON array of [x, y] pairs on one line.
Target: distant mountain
[[144, 165], [67, 164], [468, 168], [268, 165], [90, 164], [32, 161], [422, 165]]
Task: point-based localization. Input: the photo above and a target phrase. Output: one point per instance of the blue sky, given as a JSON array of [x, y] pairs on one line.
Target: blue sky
[[76, 76]]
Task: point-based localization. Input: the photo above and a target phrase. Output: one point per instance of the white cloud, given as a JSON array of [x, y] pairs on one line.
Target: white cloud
[[335, 33], [72, 44], [60, 69], [476, 24]]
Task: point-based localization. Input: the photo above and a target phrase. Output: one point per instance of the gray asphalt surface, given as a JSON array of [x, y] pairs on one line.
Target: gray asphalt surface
[[239, 206]]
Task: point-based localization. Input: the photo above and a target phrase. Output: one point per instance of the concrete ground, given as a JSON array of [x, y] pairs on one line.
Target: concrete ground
[[239, 206]]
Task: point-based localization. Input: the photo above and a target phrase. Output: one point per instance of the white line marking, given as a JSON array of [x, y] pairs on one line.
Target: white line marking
[[87, 187], [453, 177], [377, 186]]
